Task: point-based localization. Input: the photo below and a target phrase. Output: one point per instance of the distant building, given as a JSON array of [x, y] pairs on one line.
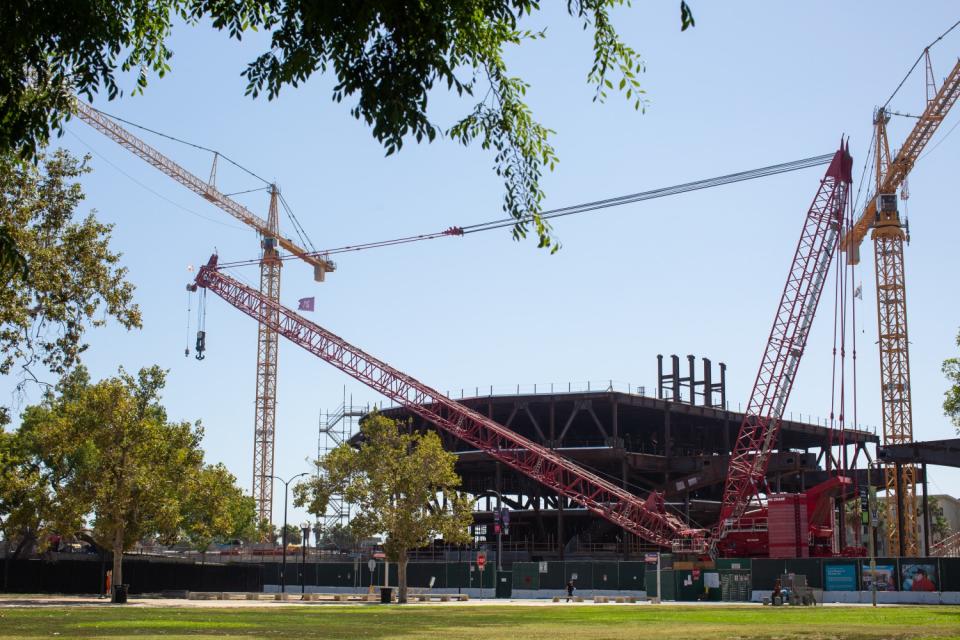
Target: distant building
[[951, 513], [951, 510]]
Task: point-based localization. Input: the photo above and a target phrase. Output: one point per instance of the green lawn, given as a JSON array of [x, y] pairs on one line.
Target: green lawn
[[483, 622]]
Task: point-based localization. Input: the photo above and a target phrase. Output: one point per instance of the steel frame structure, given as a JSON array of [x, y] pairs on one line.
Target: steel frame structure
[[786, 343], [270, 266], [645, 518]]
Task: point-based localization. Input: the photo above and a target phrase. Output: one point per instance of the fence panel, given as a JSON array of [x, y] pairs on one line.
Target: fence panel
[[526, 575], [606, 575], [631, 575]]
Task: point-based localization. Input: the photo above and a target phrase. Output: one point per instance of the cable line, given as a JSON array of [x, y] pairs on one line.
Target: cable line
[[586, 207], [181, 141], [659, 193], [916, 62]]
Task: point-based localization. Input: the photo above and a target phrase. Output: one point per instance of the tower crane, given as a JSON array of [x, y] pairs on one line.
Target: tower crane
[[270, 265], [888, 233]]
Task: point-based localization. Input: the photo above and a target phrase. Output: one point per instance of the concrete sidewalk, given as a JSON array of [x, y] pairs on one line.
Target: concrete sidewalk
[[59, 601]]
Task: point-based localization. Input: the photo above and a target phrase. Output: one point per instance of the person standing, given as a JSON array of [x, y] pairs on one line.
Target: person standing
[[570, 590]]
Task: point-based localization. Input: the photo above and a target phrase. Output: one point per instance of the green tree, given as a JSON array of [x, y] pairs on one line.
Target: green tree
[[215, 509], [339, 536], [115, 454], [386, 57], [939, 527], [951, 404], [27, 507], [403, 485], [294, 534], [69, 279], [33, 503], [12, 263], [266, 532]]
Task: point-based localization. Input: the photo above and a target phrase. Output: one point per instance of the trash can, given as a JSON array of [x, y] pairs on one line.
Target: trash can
[[386, 595], [120, 593]]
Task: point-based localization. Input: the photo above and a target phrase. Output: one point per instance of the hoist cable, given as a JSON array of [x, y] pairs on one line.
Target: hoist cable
[[916, 62], [586, 207], [181, 141]]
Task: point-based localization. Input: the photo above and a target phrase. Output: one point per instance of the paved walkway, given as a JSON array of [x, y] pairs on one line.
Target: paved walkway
[[7, 601]]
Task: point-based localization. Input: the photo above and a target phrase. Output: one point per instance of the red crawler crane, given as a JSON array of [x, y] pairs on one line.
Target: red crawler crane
[[645, 518], [788, 338]]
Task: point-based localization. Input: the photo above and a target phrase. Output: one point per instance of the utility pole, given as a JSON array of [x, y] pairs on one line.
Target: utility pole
[[499, 532], [305, 529], [659, 593], [872, 518]]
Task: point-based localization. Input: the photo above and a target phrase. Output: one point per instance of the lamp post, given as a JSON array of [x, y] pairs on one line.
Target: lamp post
[[286, 493], [305, 529]]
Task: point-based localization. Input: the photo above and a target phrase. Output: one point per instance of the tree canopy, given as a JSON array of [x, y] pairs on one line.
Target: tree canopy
[[105, 454], [215, 509], [951, 404], [386, 56], [67, 277], [402, 484]]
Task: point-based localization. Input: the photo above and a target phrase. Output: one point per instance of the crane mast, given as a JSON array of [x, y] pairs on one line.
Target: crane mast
[[265, 403], [881, 214], [271, 242], [786, 343]]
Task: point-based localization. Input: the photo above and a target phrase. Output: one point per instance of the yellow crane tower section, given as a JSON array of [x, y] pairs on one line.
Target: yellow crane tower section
[[264, 430], [882, 216]]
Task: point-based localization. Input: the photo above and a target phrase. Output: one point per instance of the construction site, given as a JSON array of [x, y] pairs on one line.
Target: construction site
[[611, 472]]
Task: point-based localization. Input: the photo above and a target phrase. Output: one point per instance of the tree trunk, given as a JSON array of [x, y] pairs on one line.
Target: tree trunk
[[402, 578], [6, 562], [117, 559], [26, 540]]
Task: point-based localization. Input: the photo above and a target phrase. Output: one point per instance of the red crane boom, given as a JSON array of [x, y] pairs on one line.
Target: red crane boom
[[645, 518], [788, 338]]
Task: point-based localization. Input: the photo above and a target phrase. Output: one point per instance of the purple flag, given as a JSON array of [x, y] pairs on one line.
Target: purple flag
[[306, 304]]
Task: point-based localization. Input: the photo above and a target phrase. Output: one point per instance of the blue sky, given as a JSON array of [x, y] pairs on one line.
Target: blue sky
[[753, 84]]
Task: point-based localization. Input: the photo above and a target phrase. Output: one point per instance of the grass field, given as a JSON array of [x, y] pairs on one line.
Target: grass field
[[482, 622]]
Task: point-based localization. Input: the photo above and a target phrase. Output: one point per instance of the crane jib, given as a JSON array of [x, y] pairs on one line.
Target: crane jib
[[645, 518]]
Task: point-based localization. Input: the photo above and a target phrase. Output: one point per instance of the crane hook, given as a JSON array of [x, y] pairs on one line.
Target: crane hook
[[201, 344]]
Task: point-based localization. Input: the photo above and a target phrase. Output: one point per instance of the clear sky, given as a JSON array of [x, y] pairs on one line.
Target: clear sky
[[755, 83]]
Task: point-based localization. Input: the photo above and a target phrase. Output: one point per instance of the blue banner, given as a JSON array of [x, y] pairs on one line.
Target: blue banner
[[840, 577]]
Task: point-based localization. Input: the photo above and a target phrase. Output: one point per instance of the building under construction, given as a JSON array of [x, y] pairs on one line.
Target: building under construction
[[676, 441]]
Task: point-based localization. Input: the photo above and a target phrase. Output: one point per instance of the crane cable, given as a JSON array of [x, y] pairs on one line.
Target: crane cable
[[916, 62], [586, 207], [181, 141]]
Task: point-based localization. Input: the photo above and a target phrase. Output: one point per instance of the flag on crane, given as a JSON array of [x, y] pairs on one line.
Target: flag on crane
[[858, 292], [306, 304]]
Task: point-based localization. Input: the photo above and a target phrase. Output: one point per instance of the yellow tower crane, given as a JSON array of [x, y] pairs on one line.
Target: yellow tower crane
[[264, 428], [882, 216]]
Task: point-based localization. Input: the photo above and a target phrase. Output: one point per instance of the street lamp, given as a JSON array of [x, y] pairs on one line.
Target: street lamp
[[286, 492], [305, 529]]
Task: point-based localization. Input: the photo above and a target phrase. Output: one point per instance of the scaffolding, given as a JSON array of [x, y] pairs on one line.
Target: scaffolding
[[335, 428]]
